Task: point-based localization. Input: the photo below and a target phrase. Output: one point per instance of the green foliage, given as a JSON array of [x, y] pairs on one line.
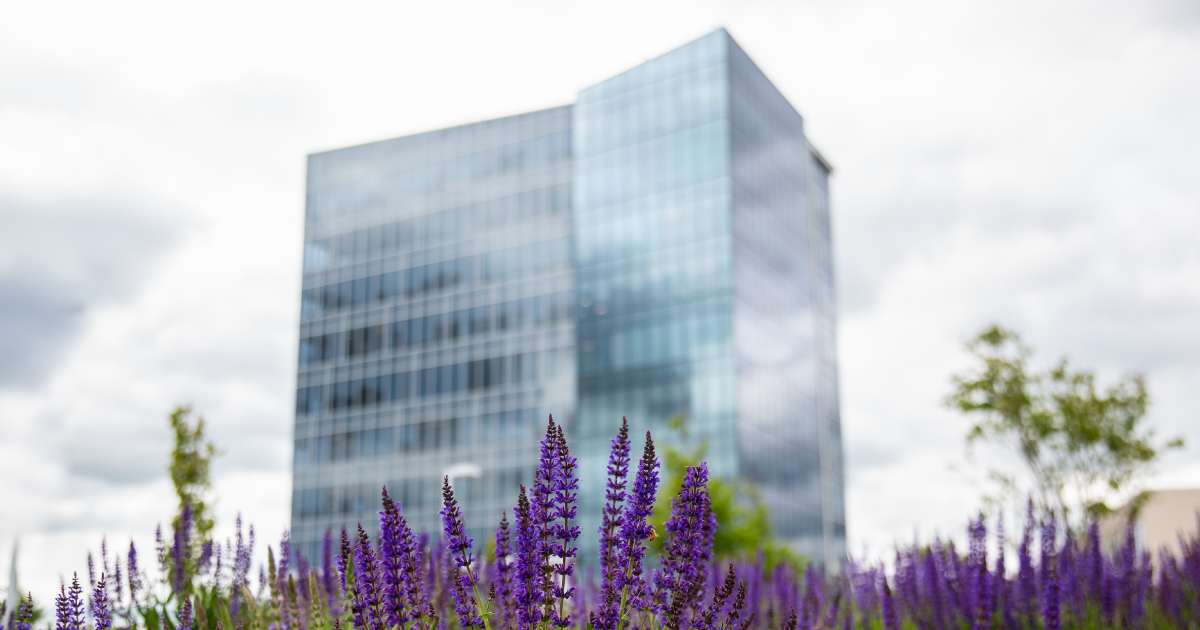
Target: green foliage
[[1077, 447], [743, 521], [191, 460]]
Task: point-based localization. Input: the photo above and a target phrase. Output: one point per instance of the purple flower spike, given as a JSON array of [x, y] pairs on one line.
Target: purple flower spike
[[135, 580], [566, 488], [528, 588], [504, 573], [366, 585], [285, 554], [100, 606], [542, 513], [635, 530], [1051, 614], [343, 560], [610, 528], [328, 581], [91, 570], [68, 607], [1051, 603], [1026, 590], [890, 621], [398, 561], [458, 545], [688, 545], [185, 614], [24, 618], [180, 551]]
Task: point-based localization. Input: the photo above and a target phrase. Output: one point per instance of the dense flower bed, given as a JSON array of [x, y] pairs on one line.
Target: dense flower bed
[[528, 578]]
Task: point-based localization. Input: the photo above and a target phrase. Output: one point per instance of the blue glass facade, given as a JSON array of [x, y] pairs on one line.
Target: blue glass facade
[[705, 283], [437, 321], [654, 245], [673, 225]]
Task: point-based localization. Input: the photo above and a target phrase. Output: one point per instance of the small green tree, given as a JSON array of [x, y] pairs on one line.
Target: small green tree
[[1076, 448], [191, 462], [743, 521]]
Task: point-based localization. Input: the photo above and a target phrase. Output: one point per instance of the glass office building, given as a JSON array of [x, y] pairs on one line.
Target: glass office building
[[437, 321], [659, 250]]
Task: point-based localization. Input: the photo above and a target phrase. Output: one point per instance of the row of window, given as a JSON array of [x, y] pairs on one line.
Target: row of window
[[452, 224], [412, 494], [462, 272], [379, 192], [461, 377], [515, 315], [520, 426]]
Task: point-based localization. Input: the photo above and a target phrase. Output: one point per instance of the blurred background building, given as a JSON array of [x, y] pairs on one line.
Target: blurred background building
[[1160, 520], [659, 249]]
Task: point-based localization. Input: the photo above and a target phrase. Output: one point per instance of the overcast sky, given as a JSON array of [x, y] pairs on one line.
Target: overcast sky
[[1027, 162]]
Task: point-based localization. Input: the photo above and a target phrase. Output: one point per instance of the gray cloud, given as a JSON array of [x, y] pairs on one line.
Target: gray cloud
[[58, 258]]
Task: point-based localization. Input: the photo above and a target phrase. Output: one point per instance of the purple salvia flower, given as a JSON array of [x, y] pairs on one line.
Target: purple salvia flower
[[328, 580], [999, 594], [343, 561], [1126, 578], [528, 566], [1094, 564], [1049, 556], [935, 590], [238, 578], [566, 488], [831, 614], [62, 609], [1168, 590], [418, 551], [465, 592], [180, 551], [105, 569], [135, 580], [101, 611], [977, 566], [91, 570], [1068, 577], [504, 574], [303, 587], [24, 617], [1107, 588], [890, 620], [542, 512], [1026, 591], [635, 530], [1145, 574], [68, 607], [684, 553], [117, 579], [185, 615], [395, 553], [610, 529], [367, 584], [218, 567], [285, 555], [1051, 613], [160, 547], [206, 558], [352, 585]]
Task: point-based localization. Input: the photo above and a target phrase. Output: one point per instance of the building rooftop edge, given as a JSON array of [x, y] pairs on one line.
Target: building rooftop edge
[[439, 129], [821, 158]]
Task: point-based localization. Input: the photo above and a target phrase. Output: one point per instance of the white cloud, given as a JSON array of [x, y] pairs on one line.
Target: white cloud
[[1030, 163]]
